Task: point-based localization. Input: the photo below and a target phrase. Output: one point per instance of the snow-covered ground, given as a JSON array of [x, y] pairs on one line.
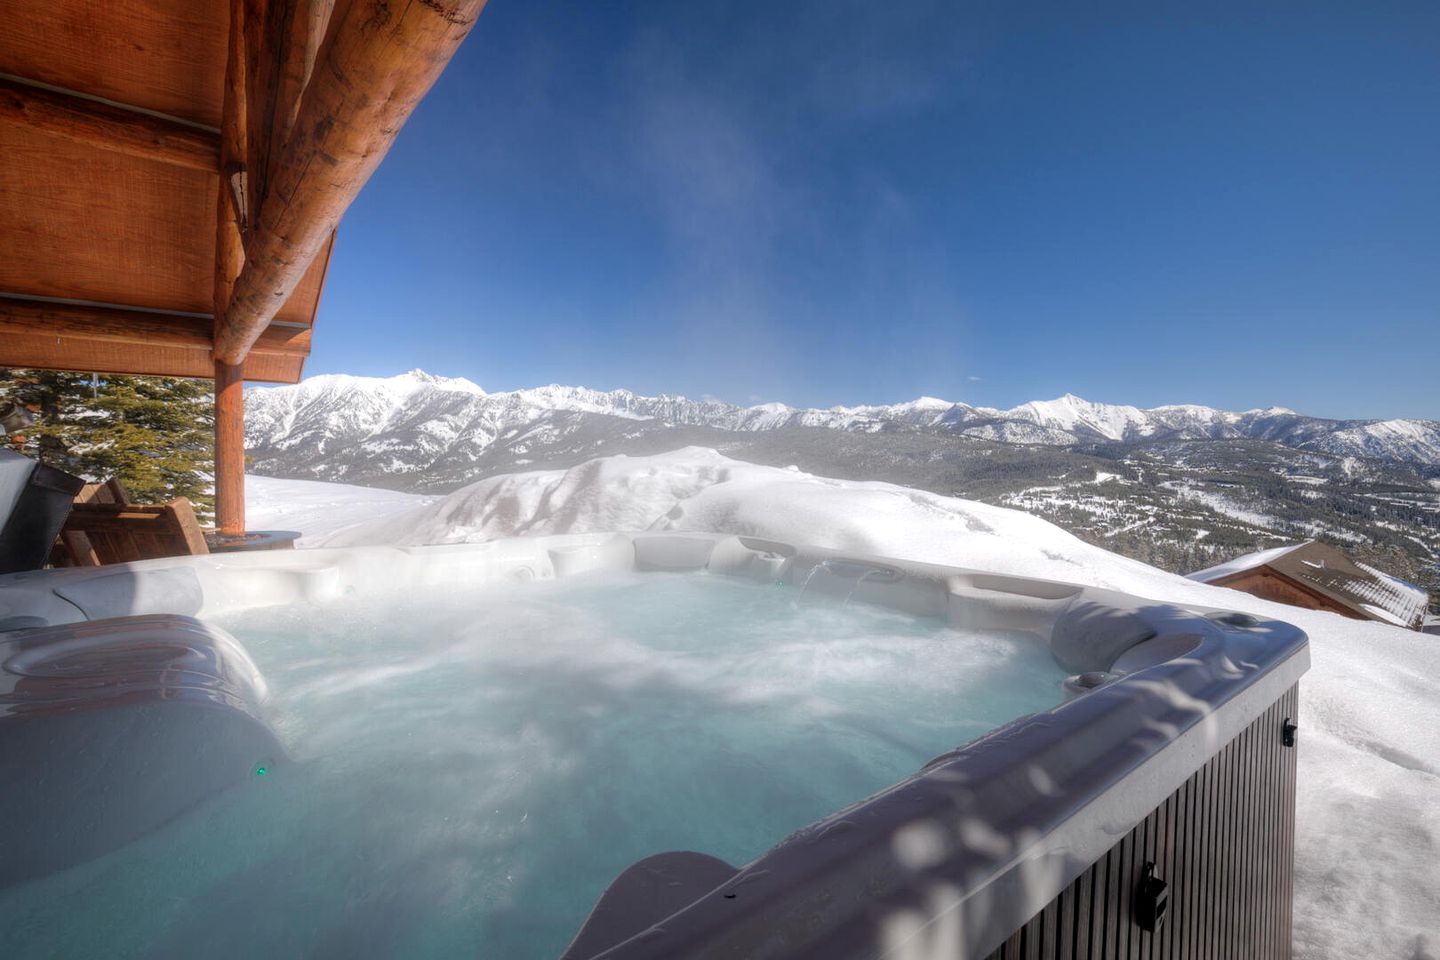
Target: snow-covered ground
[[318, 509], [1368, 817]]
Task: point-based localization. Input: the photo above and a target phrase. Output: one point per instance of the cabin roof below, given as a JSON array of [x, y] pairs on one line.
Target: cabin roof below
[[1327, 571]]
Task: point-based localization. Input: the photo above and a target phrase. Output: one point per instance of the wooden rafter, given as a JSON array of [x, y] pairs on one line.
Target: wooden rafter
[[141, 328], [66, 336], [308, 19], [375, 65], [232, 192], [267, 45], [96, 123]]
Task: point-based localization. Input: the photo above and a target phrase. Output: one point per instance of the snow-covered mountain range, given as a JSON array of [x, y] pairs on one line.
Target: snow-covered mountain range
[[339, 427]]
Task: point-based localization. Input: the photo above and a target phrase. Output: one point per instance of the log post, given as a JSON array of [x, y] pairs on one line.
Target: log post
[[229, 261], [229, 448], [377, 61]]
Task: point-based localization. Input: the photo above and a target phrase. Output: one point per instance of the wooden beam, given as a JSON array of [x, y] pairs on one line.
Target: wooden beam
[[267, 46], [41, 352], [232, 203], [67, 321], [109, 127], [308, 19], [62, 336], [374, 68]]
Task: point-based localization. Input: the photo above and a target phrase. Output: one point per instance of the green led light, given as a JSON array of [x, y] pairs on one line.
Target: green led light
[[261, 770]]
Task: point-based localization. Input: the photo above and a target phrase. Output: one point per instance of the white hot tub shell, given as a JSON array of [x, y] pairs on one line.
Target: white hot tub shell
[[965, 855]]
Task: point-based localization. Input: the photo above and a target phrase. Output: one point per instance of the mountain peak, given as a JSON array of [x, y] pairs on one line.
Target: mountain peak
[[460, 384]]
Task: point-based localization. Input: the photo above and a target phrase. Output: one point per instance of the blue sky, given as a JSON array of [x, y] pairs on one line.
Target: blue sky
[[837, 202]]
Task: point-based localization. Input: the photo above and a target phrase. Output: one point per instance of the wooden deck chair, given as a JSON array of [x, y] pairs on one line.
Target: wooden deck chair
[[111, 491], [100, 533], [76, 544]]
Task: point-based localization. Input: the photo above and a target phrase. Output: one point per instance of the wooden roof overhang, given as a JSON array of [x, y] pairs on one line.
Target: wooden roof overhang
[[110, 120], [131, 131], [172, 173]]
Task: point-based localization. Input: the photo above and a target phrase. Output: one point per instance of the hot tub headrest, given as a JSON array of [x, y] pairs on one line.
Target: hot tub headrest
[[1091, 634], [111, 728]]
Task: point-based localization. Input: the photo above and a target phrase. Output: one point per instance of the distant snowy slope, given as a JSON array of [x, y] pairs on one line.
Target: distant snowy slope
[[317, 510], [1414, 440], [416, 429], [1368, 820]]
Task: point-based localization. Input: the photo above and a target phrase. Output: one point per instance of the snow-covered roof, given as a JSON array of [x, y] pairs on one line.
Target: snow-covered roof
[[1245, 562], [1380, 613], [1331, 573], [1402, 600]]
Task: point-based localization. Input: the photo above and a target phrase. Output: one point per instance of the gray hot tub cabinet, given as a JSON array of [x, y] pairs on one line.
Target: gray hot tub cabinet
[[1152, 815]]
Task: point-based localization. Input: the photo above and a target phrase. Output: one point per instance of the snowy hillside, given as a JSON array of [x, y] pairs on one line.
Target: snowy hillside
[[337, 427], [317, 509], [1368, 819]]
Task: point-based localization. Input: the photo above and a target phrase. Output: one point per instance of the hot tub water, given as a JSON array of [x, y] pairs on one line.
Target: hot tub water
[[468, 772]]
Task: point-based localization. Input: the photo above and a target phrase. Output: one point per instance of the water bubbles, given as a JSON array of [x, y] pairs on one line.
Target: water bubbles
[[625, 716]]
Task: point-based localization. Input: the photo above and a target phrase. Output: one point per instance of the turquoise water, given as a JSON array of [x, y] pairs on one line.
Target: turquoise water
[[468, 772]]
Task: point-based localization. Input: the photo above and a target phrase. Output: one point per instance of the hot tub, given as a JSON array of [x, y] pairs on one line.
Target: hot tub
[[771, 750]]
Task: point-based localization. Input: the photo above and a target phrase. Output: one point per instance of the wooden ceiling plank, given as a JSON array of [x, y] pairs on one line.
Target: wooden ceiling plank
[[376, 65], [85, 224], [82, 224], [161, 55], [108, 127]]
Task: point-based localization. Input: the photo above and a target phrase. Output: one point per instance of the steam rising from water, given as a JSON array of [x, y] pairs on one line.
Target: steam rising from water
[[469, 773]]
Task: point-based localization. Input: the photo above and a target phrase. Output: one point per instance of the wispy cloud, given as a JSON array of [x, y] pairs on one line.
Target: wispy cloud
[[739, 153]]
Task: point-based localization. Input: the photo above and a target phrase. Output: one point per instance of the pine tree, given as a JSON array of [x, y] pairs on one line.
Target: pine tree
[[154, 433], [49, 395]]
